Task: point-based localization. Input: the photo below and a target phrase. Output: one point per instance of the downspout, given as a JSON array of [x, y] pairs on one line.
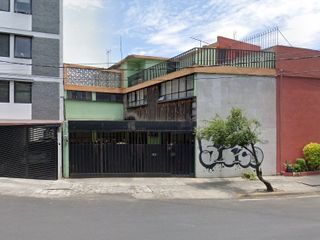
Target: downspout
[[278, 111]]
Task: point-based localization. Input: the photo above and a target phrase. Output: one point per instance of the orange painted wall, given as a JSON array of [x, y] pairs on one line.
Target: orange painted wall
[[227, 43], [298, 102]]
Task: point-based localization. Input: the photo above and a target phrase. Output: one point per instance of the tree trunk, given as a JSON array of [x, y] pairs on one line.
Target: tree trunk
[[259, 171]]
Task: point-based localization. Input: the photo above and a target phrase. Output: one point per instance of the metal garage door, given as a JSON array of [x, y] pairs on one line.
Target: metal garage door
[[28, 152]]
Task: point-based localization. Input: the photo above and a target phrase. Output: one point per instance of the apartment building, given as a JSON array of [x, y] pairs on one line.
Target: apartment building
[[31, 88]]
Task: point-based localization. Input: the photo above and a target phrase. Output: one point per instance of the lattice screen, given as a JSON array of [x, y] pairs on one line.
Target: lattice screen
[[93, 77]]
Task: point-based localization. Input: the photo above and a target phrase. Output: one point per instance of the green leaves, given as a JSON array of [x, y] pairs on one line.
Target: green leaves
[[236, 129]]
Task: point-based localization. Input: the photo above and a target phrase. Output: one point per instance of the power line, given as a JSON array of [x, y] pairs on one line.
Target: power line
[[134, 69]]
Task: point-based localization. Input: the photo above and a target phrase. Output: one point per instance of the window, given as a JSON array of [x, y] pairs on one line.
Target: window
[[4, 91], [177, 88], [137, 98], [190, 86], [4, 44], [22, 48], [108, 97], [5, 5], [79, 96], [22, 6], [22, 92]]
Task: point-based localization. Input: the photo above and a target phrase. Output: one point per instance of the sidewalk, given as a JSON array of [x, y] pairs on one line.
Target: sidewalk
[[160, 188]]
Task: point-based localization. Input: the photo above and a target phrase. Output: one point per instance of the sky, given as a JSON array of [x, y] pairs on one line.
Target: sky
[[165, 27]]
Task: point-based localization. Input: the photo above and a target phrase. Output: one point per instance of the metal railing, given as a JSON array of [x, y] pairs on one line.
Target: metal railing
[[206, 57]]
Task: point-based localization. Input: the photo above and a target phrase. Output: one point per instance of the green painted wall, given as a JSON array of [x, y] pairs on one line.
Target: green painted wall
[[83, 110], [132, 66]]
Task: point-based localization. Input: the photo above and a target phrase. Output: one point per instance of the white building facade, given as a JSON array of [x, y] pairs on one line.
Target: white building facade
[[31, 74]]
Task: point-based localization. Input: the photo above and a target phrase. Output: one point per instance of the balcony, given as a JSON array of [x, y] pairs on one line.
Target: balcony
[[206, 57]]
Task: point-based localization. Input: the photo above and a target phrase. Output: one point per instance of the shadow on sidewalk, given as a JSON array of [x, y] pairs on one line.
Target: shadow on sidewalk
[[223, 186]]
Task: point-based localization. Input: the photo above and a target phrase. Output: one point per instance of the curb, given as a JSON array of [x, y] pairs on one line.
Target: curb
[[257, 195]]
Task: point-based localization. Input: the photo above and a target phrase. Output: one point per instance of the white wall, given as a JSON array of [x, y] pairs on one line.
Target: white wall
[[217, 94], [15, 111], [12, 20]]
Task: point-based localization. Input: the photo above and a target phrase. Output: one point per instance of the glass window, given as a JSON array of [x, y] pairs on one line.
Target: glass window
[[4, 91], [108, 97], [79, 95], [22, 48], [4, 45], [182, 87], [175, 89], [5, 5], [168, 90], [190, 82], [163, 89], [137, 98], [22, 92], [182, 84], [22, 6]]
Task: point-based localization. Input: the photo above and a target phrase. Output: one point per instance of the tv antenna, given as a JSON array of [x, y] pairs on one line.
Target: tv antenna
[[199, 40], [108, 52]]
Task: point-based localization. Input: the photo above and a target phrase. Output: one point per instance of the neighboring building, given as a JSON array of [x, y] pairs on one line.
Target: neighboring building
[[31, 88], [298, 101]]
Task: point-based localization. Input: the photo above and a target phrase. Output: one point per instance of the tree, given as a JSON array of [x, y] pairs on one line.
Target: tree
[[235, 130]]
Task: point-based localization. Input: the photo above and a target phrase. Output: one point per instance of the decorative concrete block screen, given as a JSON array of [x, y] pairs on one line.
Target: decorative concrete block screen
[[93, 77]]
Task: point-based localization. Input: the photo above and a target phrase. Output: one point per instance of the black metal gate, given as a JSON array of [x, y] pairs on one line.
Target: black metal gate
[[142, 152], [28, 152]]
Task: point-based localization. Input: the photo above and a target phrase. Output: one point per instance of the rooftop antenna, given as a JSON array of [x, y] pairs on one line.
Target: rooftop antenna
[[108, 52], [199, 40], [121, 47]]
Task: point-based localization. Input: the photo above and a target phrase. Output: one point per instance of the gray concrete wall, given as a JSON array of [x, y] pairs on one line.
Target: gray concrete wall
[[45, 57], [217, 94], [46, 16], [45, 101]]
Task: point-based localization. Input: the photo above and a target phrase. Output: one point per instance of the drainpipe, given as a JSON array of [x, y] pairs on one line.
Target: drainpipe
[[278, 111]]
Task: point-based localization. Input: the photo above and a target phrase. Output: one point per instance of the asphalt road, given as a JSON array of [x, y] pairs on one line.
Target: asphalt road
[[122, 218]]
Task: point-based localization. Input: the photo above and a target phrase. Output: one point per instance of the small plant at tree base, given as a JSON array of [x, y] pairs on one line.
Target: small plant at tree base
[[297, 168], [301, 165], [235, 130], [249, 175], [312, 155]]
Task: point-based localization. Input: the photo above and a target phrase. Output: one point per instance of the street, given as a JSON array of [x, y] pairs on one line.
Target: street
[[120, 217]]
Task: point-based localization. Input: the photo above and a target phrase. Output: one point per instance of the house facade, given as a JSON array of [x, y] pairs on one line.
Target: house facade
[[31, 86], [163, 100]]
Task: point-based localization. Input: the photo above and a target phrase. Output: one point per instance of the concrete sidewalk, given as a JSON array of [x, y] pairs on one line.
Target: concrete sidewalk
[[160, 188]]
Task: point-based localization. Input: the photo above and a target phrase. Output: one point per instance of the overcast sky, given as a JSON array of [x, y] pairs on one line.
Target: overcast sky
[[164, 27]]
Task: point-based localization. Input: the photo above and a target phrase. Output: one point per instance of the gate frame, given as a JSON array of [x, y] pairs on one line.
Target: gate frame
[[128, 126]]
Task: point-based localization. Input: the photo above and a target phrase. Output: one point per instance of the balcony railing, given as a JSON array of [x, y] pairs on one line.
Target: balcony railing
[[206, 57], [92, 77]]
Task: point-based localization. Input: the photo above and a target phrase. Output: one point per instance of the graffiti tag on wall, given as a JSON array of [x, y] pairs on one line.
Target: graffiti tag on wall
[[212, 155]]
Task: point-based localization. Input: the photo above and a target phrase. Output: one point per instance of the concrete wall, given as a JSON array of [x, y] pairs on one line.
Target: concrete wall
[[46, 16], [45, 101], [217, 94], [45, 52]]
